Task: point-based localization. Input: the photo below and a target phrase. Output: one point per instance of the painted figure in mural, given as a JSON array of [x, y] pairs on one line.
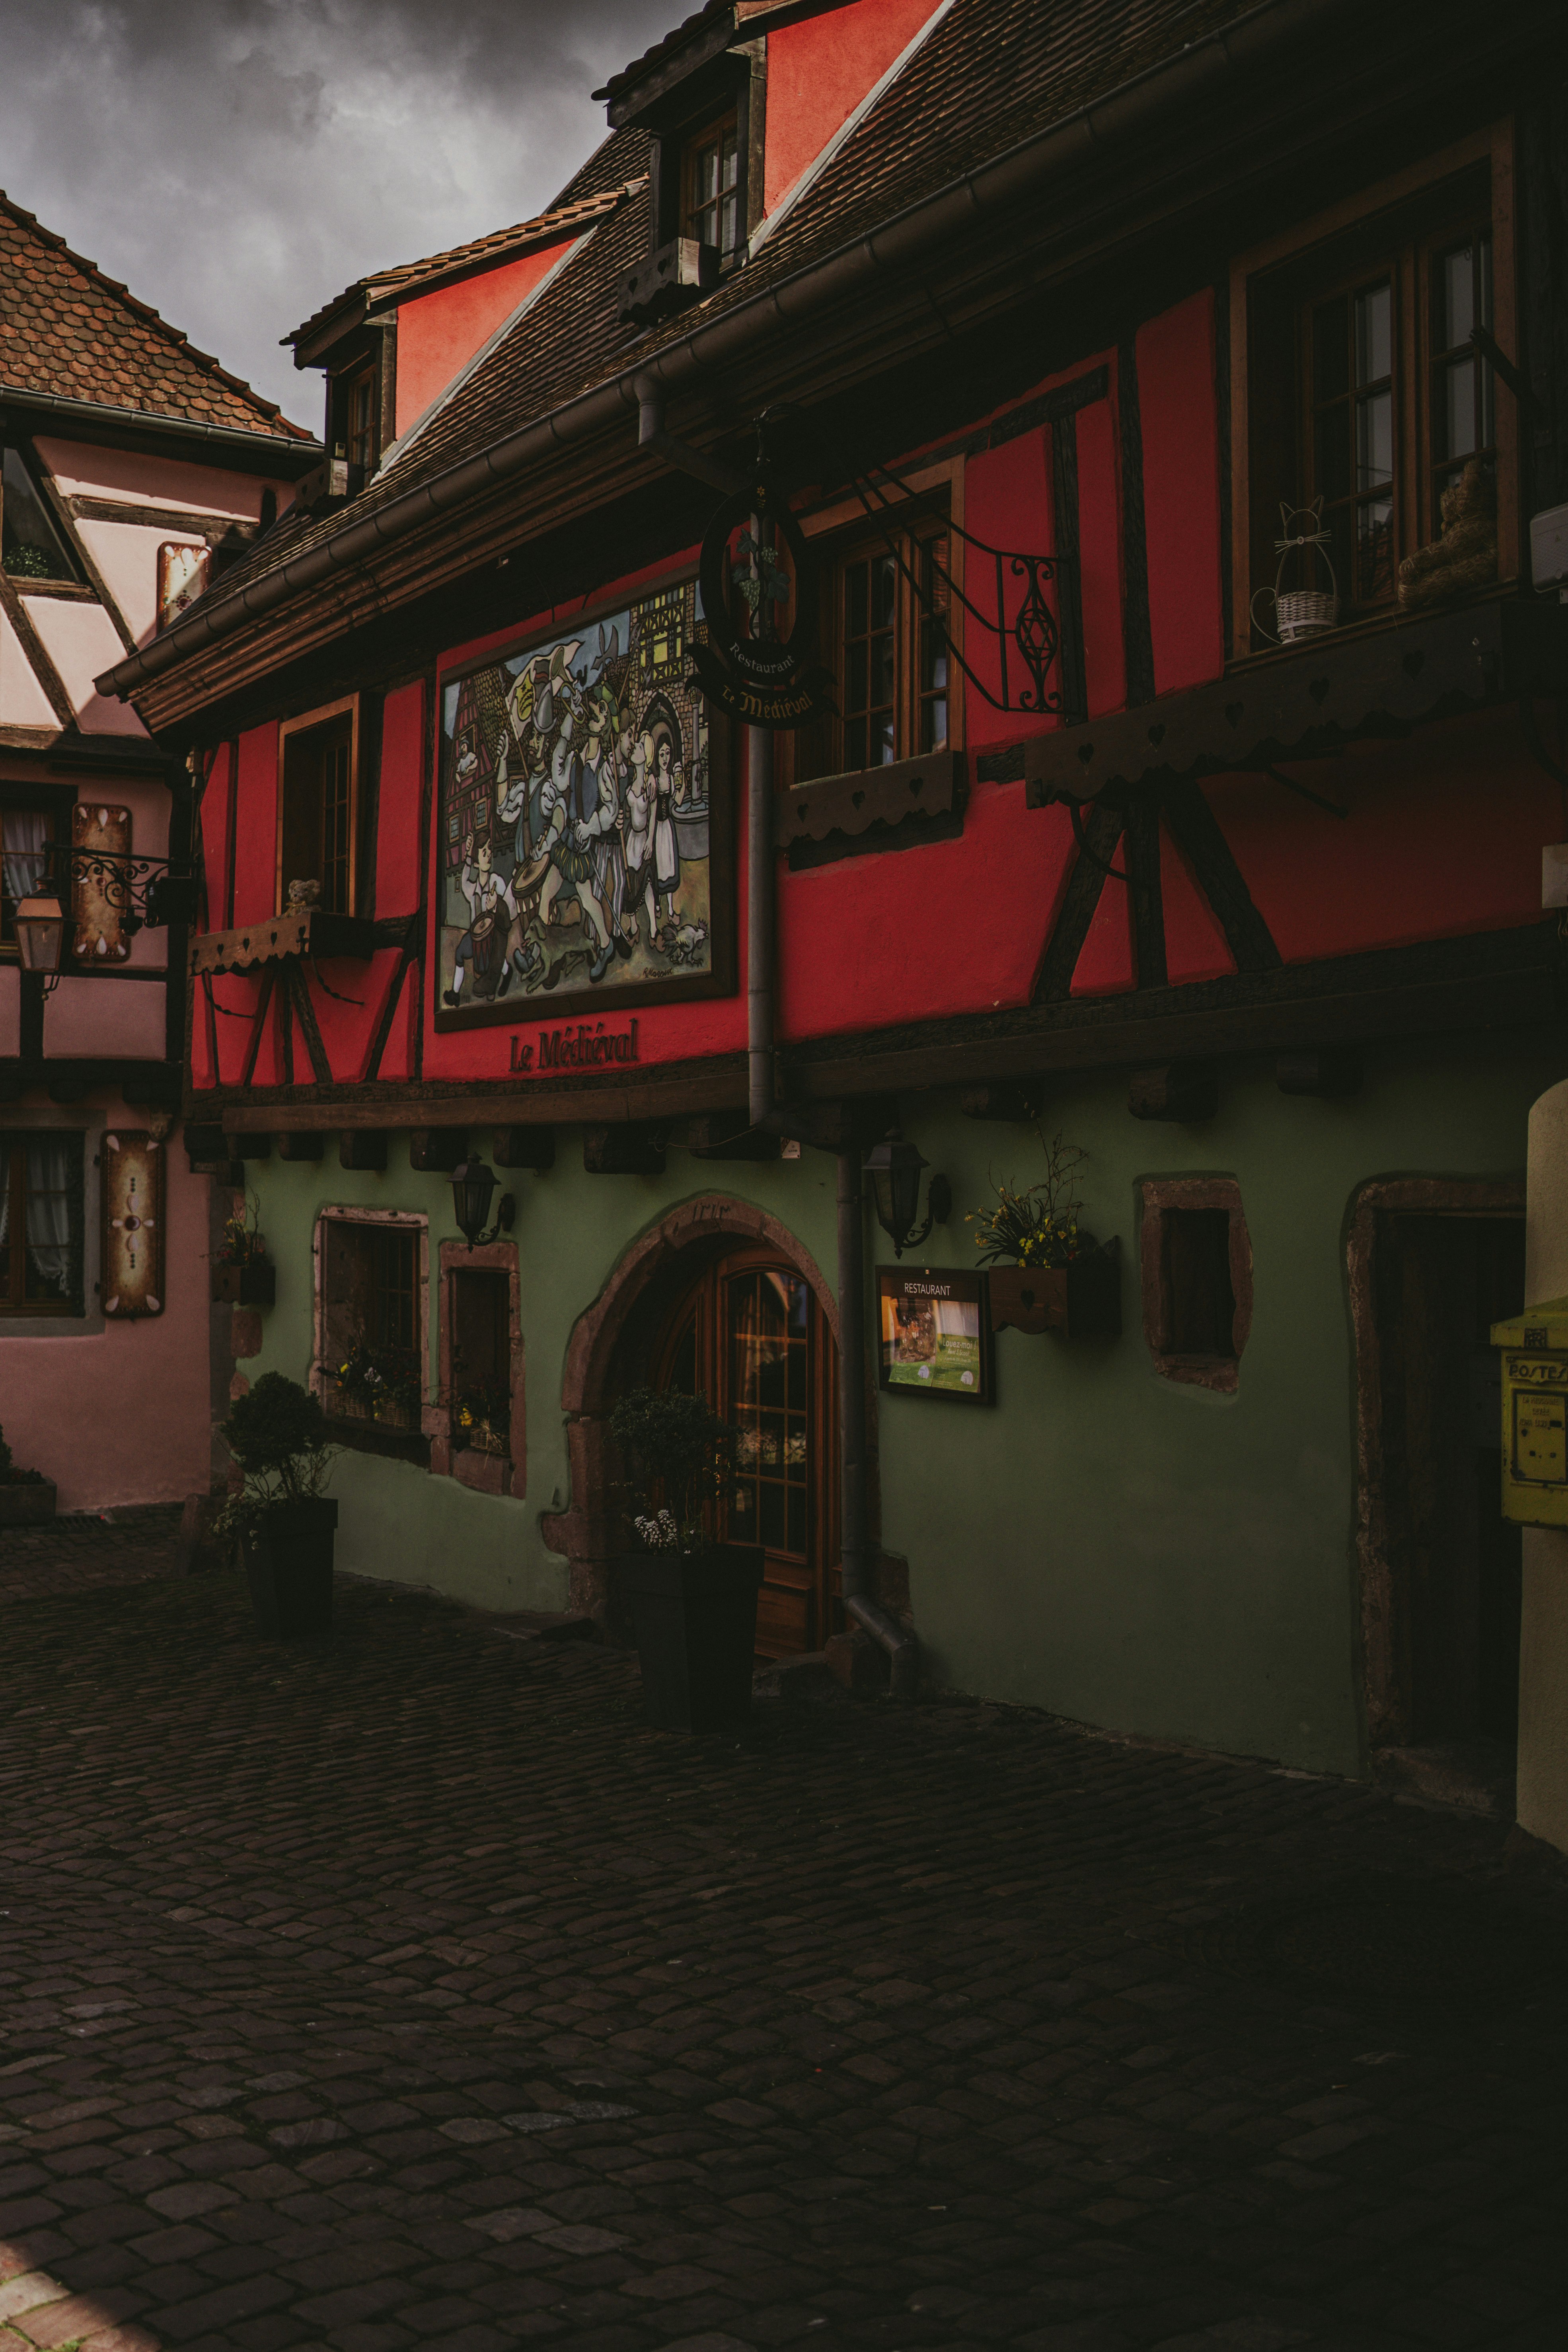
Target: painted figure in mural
[[638, 835], [481, 951], [575, 814], [668, 795]]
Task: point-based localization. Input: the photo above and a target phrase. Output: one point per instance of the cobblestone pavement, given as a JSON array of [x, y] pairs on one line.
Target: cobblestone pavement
[[401, 1989], [86, 1548]]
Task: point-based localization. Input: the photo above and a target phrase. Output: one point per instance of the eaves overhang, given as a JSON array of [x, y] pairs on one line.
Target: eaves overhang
[[290, 455], [1009, 187]]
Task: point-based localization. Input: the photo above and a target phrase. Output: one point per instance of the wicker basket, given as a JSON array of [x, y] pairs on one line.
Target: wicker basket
[[1305, 612]]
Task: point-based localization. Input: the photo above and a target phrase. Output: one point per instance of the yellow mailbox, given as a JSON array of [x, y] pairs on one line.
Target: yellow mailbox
[[1535, 1414]]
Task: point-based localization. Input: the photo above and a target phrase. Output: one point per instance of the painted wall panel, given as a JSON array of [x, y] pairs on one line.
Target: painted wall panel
[[1099, 558], [438, 333], [126, 554], [820, 70], [81, 469], [1106, 964], [1181, 493], [1007, 503], [1445, 836], [399, 850], [256, 832], [22, 702], [1195, 944], [82, 641], [214, 830], [104, 1015]]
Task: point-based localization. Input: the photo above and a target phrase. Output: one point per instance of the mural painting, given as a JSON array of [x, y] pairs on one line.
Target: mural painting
[[581, 827]]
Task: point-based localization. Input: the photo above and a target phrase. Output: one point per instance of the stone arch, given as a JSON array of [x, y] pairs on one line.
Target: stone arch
[[609, 1350]]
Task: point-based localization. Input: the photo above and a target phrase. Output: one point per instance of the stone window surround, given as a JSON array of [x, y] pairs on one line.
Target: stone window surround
[[1158, 1195], [486, 1474], [348, 1212]]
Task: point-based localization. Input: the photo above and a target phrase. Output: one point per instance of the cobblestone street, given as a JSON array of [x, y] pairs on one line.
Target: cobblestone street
[[403, 1990]]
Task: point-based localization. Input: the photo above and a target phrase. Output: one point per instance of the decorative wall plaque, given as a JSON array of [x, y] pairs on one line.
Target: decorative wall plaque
[[132, 1274], [99, 833]]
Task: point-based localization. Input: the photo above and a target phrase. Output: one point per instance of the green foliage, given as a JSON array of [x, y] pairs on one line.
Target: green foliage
[[382, 1376], [243, 1242], [25, 563], [681, 1455], [1038, 1227], [278, 1433]]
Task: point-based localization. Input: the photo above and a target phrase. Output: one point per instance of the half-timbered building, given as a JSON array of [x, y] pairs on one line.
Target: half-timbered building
[[1161, 397], [134, 469]]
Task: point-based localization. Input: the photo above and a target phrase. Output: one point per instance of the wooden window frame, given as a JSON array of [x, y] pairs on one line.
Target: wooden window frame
[[1160, 1197], [486, 1474], [14, 1142], [369, 1437], [839, 532], [1422, 208], [710, 134], [347, 705]]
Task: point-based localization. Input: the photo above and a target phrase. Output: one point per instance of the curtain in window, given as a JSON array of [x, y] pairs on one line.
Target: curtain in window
[[24, 833], [48, 1197]]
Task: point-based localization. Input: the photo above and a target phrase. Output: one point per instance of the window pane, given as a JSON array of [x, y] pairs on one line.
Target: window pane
[[1331, 350], [730, 224], [732, 159], [1373, 334], [884, 591], [1374, 440], [854, 744], [882, 670], [1375, 554], [707, 174], [1330, 453], [883, 753], [24, 838], [854, 600], [855, 678], [1456, 409], [1456, 297], [50, 1180], [31, 547], [934, 724]]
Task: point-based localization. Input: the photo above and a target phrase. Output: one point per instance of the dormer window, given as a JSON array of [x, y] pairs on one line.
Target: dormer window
[[355, 414], [711, 209]]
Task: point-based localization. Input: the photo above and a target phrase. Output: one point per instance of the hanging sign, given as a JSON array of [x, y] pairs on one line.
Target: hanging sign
[[132, 1278], [759, 601]]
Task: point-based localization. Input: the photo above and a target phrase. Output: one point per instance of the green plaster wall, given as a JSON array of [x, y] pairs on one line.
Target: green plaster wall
[[1118, 1548]]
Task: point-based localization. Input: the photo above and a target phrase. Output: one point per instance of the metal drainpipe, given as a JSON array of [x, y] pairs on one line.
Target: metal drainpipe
[[761, 961]]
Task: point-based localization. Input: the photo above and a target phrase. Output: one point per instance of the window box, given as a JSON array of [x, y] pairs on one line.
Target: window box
[[386, 1412], [1082, 1300], [255, 1284]]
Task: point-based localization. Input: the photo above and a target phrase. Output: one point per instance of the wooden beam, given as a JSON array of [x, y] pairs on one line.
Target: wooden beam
[[1101, 832], [300, 1143], [1195, 830], [299, 988]]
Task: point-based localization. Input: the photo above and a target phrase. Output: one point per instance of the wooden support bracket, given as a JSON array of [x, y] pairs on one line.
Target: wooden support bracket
[[524, 1147], [437, 1150], [1330, 1071], [362, 1146], [1180, 1092], [1020, 1100], [632, 1149], [299, 1144]]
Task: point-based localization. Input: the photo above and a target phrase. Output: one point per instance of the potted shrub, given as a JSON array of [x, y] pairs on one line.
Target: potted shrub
[[283, 1522], [242, 1273], [1049, 1271], [26, 1496], [693, 1601]]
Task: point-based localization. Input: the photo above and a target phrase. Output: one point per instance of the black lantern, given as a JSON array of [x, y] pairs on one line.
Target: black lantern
[[894, 1168], [472, 1186]]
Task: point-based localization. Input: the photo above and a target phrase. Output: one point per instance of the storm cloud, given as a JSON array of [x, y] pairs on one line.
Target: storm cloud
[[238, 162]]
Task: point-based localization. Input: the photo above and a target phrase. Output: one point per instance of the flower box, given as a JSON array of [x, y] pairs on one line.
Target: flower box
[[385, 1412], [1082, 1300], [254, 1283]]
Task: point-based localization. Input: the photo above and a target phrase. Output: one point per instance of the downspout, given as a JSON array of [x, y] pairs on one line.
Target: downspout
[[903, 1650]]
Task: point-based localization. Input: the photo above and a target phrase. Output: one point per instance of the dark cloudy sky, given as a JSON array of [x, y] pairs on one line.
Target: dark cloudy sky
[[238, 162]]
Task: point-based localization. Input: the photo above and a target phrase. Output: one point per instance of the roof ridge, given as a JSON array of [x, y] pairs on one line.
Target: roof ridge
[[410, 273], [134, 303]]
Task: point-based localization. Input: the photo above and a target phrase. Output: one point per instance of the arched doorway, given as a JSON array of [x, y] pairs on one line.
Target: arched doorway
[[749, 1333], [626, 1337]]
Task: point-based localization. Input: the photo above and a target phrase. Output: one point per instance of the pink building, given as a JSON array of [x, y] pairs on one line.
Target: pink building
[[134, 470]]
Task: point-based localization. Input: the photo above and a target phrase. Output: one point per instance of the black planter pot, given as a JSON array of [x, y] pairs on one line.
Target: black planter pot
[[696, 1625], [288, 1565]]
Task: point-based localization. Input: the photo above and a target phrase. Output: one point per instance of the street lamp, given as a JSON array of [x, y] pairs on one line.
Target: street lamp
[[472, 1185], [40, 935], [894, 1168]]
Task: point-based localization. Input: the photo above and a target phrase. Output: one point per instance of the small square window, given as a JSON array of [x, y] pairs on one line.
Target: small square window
[[1197, 1261]]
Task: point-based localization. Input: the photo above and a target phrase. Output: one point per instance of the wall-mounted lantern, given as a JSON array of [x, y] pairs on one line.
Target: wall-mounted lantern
[[894, 1168], [472, 1186], [40, 936]]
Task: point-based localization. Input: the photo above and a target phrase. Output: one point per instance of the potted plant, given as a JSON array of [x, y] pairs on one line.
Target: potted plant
[[283, 1522], [26, 1496], [693, 1600], [1049, 1271], [380, 1384], [242, 1273], [481, 1420]]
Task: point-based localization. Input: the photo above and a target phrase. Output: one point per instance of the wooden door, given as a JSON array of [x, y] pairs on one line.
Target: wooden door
[[749, 1335]]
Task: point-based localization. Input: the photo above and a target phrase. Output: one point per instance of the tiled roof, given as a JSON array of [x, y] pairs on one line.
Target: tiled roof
[[501, 244], [618, 84], [991, 74], [68, 331]]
